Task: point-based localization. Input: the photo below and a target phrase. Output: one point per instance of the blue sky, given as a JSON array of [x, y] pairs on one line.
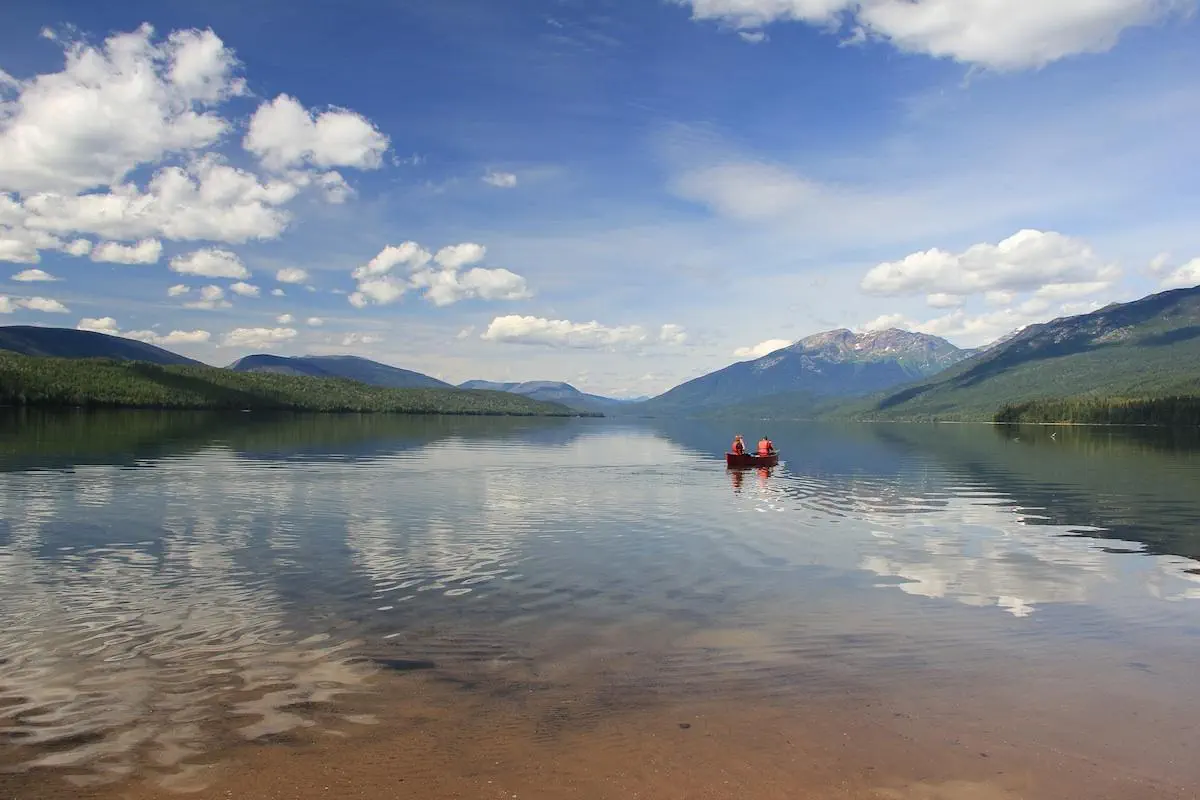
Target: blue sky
[[618, 194]]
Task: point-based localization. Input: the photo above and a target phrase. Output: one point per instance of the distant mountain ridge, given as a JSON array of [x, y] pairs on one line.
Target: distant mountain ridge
[[31, 340], [837, 363], [349, 367], [1145, 348], [550, 391]]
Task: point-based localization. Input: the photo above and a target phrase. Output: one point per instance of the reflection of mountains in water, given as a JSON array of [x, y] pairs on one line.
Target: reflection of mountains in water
[[61, 440]]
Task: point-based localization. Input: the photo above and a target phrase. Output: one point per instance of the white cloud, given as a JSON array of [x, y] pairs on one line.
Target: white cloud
[[178, 289], [72, 141], [98, 325], [380, 291], [561, 333], [147, 251], [22, 246], [10, 304], [749, 192], [443, 285], [244, 289], [352, 339], [673, 334], [409, 254], [174, 337], [210, 263], [291, 275], [114, 108], [33, 275], [1004, 36], [283, 134], [501, 180], [943, 300], [258, 337], [1025, 261], [753, 37], [1066, 291], [285, 319], [334, 187], [109, 325], [211, 298], [77, 247], [278, 293], [887, 321], [1185, 276], [1000, 297], [458, 256], [446, 286], [314, 322], [762, 348], [207, 199]]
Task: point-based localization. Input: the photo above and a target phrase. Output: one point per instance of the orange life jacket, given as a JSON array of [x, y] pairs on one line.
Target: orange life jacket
[[764, 447], [739, 446]]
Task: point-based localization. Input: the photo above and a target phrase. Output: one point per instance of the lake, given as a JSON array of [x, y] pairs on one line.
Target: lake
[[340, 606]]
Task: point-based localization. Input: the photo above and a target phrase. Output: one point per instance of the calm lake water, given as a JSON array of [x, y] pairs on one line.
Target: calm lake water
[[1005, 611]]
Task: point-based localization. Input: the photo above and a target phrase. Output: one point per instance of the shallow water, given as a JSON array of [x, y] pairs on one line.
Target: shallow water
[[187, 598]]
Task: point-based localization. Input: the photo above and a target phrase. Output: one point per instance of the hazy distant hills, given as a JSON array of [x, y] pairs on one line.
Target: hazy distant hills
[[1145, 348], [29, 340], [837, 363], [348, 367], [552, 392]]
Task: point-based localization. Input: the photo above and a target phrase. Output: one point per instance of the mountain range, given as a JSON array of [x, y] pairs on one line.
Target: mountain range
[[552, 392], [1148, 348], [838, 363], [349, 367]]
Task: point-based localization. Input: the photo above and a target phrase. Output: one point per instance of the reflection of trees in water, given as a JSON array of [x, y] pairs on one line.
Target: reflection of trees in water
[[129, 649]]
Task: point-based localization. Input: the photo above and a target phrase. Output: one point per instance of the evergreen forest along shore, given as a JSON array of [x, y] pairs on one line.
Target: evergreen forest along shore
[[107, 383]]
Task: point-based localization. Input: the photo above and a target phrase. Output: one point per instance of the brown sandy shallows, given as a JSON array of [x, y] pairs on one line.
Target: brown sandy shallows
[[620, 731]]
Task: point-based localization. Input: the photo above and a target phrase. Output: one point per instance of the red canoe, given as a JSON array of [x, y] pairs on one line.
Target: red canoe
[[751, 460]]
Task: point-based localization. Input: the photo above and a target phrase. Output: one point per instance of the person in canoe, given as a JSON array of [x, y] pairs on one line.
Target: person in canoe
[[739, 445], [765, 446]]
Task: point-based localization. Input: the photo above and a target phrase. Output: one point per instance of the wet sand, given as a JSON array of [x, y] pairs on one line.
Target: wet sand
[[603, 722]]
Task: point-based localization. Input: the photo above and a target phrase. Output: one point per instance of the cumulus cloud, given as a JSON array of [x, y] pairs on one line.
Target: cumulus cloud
[[147, 251], [673, 334], [458, 256], [32, 276], [1003, 36], [439, 276], [44, 304], [178, 290], [314, 322], [72, 141], [211, 298], [943, 300], [1184, 276], [113, 108], [762, 348], [174, 337], [887, 321], [244, 289], [98, 325], [562, 333], [283, 134], [444, 287], [1026, 261], [278, 293], [109, 325], [206, 199], [285, 319], [258, 337], [291, 275], [408, 254], [210, 263], [501, 180]]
